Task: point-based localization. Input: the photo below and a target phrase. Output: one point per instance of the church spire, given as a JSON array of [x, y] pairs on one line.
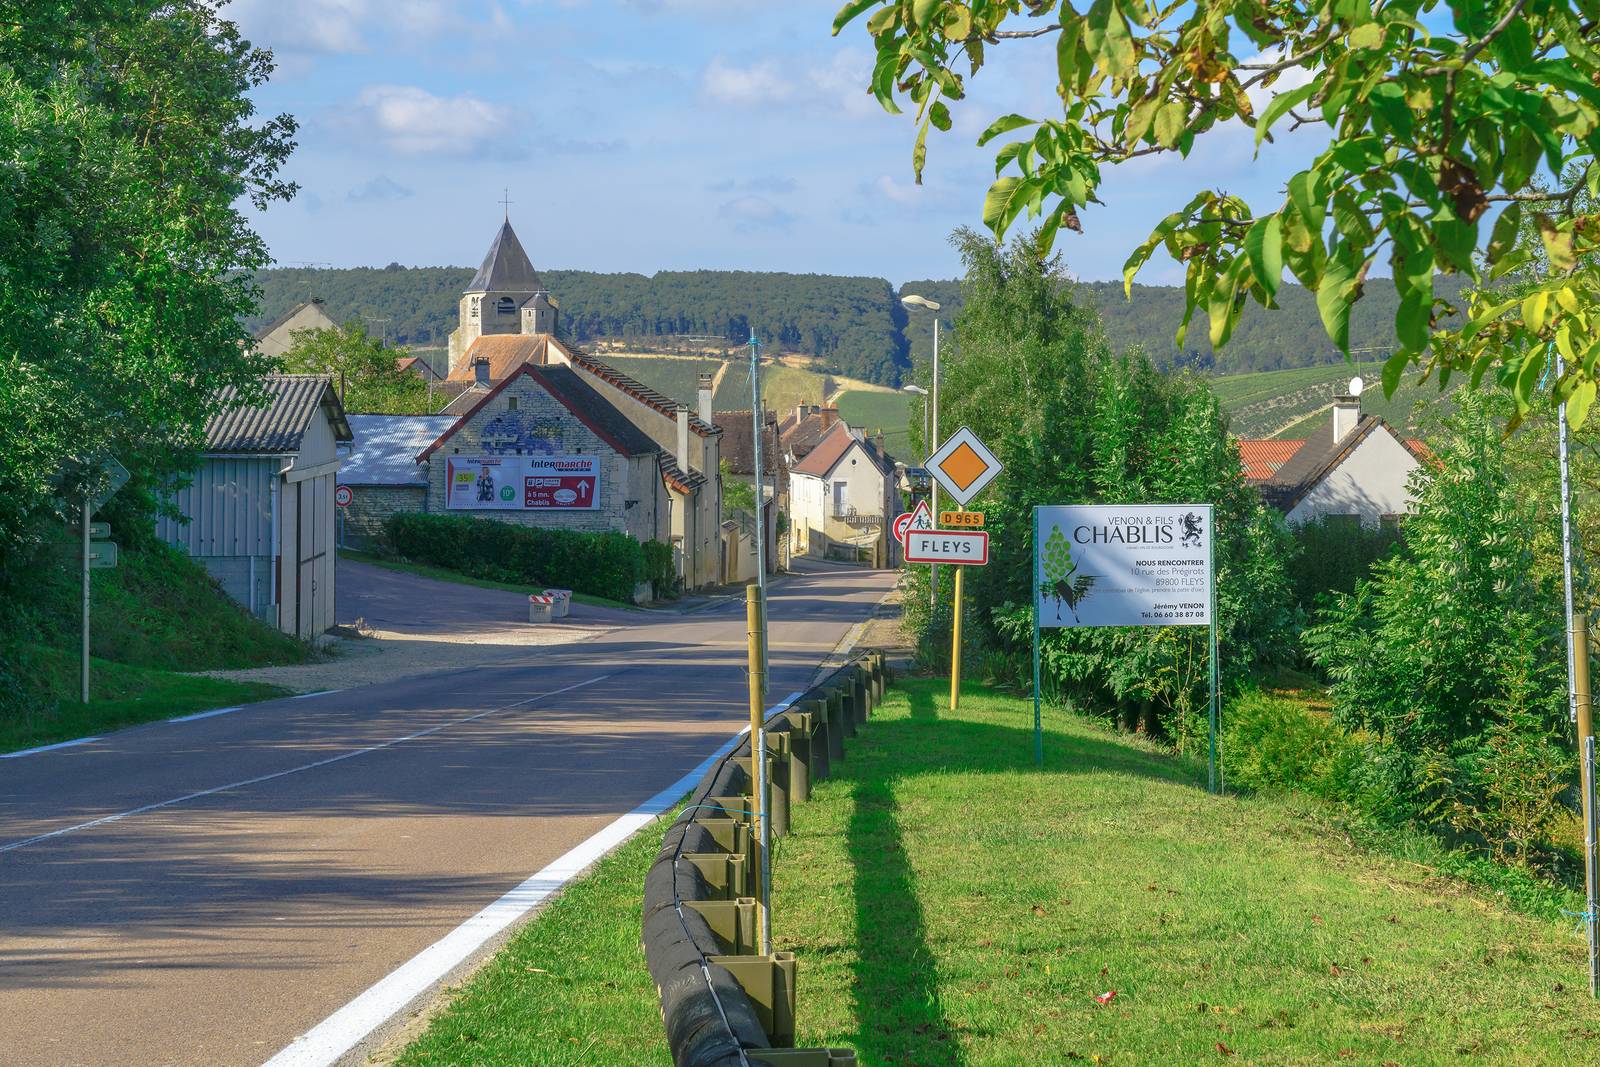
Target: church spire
[[506, 269]]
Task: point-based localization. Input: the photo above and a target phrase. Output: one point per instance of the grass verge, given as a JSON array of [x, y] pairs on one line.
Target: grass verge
[[120, 696], [441, 574], [569, 989], [951, 905]]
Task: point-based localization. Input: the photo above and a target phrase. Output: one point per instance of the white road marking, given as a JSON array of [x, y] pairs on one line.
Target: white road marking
[[206, 714], [103, 820], [48, 748], [330, 1039], [340, 1032], [318, 693]]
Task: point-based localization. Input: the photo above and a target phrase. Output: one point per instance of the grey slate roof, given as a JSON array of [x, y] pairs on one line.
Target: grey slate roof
[[507, 268], [277, 427], [1317, 458], [386, 448]]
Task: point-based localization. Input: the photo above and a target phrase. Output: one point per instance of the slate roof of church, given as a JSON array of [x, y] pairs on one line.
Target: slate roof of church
[[278, 426], [507, 268]]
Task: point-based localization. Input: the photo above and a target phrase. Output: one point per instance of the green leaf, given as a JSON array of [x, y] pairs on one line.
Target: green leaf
[[1333, 297], [957, 24], [1279, 106], [922, 11], [883, 75], [1557, 244], [1504, 236], [1140, 116], [1107, 36], [1007, 198], [1579, 402], [1534, 307], [1263, 244], [939, 115], [1411, 319], [1222, 307], [1170, 121], [1303, 195], [1533, 364], [849, 11], [1004, 124], [1393, 367], [1367, 35]]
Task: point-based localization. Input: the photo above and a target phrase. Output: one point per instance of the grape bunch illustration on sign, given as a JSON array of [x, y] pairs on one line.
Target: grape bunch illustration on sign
[[1062, 582]]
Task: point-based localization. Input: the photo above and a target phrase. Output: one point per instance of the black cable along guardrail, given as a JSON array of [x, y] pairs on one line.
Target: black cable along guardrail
[[722, 1004]]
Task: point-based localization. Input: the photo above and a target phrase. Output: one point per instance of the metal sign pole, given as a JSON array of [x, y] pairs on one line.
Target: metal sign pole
[[1211, 603], [1038, 729], [1591, 920], [758, 756], [88, 512]]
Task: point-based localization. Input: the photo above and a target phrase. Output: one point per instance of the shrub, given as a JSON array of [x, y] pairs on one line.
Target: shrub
[[659, 570], [1271, 742], [606, 564], [1333, 553]]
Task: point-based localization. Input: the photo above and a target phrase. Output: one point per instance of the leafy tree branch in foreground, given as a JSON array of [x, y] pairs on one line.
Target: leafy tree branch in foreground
[[1437, 116]]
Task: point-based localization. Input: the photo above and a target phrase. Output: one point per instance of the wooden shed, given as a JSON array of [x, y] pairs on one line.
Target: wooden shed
[[259, 513]]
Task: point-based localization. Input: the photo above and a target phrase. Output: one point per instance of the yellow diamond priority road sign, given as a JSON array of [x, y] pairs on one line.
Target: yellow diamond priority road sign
[[963, 465]]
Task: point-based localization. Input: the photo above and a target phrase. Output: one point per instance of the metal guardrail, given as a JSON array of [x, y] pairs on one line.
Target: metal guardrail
[[722, 1004]]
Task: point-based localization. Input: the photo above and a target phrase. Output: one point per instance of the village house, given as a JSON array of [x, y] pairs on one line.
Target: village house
[[258, 514], [1357, 467], [842, 497], [277, 336], [801, 430]]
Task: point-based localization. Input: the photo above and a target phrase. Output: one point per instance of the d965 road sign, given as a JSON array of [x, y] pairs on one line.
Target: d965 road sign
[[947, 546]]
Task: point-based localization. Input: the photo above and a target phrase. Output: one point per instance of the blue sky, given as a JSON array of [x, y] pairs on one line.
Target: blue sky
[[645, 135]]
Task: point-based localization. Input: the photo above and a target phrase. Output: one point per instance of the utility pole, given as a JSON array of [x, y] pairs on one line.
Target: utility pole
[[88, 513], [914, 301]]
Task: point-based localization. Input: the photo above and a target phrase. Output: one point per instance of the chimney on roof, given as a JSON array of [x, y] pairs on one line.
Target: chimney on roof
[[1346, 410], [704, 396], [683, 438], [829, 416], [480, 372]]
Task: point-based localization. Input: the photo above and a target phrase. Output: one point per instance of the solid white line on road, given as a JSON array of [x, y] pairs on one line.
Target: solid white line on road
[[206, 714], [103, 820], [318, 693], [340, 1032], [48, 748]]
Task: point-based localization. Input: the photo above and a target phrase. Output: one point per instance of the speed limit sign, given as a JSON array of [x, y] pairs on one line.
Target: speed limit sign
[[343, 495]]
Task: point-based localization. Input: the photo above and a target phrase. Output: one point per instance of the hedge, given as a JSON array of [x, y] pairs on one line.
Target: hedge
[[608, 564]]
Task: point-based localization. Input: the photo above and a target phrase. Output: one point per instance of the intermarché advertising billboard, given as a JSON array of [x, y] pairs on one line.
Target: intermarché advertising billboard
[[522, 483], [1122, 565]]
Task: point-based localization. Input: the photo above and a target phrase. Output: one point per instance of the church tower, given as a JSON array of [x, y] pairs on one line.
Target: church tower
[[505, 296]]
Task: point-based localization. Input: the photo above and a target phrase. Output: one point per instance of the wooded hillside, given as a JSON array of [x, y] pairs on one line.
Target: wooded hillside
[[856, 325]]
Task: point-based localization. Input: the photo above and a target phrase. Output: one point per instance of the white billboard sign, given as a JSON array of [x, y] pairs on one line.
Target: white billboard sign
[[522, 483], [1122, 565]]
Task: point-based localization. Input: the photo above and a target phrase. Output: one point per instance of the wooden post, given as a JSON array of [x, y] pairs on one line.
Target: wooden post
[[1583, 706], [755, 633], [955, 647]]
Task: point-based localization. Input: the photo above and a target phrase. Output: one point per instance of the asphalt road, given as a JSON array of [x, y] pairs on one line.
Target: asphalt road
[[270, 864]]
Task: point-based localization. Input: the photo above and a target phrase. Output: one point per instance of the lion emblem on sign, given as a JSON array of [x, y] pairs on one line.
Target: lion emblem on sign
[[1192, 529]]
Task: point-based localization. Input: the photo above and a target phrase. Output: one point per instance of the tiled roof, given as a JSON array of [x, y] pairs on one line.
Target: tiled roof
[[820, 460], [578, 397], [418, 364], [738, 442], [1262, 458], [800, 436], [386, 448], [277, 426], [675, 477], [638, 390], [505, 353], [506, 268]]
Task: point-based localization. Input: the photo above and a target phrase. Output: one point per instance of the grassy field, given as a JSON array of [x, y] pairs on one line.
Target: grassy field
[[1291, 404], [950, 905], [889, 412], [120, 696], [677, 377]]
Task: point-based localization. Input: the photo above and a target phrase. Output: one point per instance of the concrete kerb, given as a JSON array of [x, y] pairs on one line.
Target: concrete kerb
[[722, 1005]]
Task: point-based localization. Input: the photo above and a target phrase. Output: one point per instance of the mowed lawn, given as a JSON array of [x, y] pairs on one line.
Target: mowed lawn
[[951, 905]]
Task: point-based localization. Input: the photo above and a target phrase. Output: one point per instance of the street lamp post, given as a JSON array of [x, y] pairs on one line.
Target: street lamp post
[[914, 301], [920, 391]]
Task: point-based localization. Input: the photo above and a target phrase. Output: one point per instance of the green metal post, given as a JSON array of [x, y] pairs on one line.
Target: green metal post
[[1211, 594], [1038, 728]]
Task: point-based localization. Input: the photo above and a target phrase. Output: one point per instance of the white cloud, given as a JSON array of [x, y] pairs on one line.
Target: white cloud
[[350, 26], [412, 121], [379, 189], [838, 85], [749, 213]]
